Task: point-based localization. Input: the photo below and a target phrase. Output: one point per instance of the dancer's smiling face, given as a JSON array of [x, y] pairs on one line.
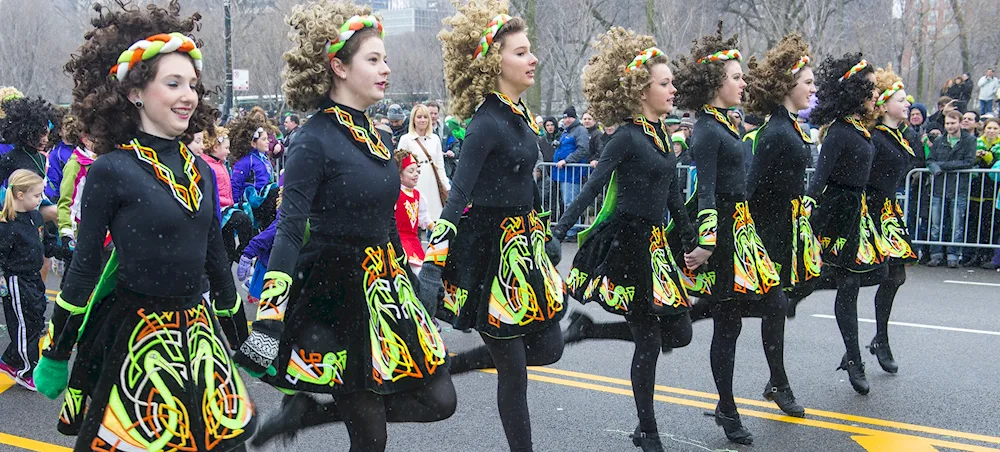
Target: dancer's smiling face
[[897, 107], [170, 98], [517, 63], [805, 87]]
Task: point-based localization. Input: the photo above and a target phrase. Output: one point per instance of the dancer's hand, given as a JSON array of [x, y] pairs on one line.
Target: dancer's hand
[[696, 258], [51, 377], [437, 249], [257, 353], [808, 204]]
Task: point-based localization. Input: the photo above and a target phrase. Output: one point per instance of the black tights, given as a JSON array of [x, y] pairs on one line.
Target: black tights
[[649, 332], [239, 227], [511, 357], [728, 320], [846, 309], [883, 300], [366, 413]]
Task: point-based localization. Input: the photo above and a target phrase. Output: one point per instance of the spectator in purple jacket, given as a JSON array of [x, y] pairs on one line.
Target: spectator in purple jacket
[[253, 176], [60, 154]]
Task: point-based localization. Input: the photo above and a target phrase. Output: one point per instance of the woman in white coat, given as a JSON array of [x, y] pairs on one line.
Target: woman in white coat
[[425, 147]]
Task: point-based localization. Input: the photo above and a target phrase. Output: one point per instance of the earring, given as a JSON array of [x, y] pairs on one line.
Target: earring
[[138, 104]]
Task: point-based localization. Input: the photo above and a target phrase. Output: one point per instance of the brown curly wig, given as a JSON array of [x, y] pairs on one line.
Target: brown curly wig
[[102, 104], [469, 80], [839, 98], [307, 74], [696, 82], [241, 132], [72, 130], [612, 94], [770, 80], [26, 122]]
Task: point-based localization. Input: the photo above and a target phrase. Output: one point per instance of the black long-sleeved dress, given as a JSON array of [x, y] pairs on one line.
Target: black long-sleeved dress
[[164, 378], [353, 322], [497, 277], [841, 219], [739, 267], [776, 186], [624, 262], [894, 157]]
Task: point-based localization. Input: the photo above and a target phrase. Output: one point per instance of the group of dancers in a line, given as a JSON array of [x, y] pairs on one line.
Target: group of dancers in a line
[[340, 312]]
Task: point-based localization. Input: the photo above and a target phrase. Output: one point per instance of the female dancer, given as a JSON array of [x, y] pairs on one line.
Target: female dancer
[[780, 86], [348, 324], [739, 269], [624, 263], [893, 159], [850, 242], [165, 379], [516, 308]]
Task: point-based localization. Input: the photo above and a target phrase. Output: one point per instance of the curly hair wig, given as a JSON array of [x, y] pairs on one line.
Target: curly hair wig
[[101, 103], [839, 98], [241, 132], [308, 76], [884, 79], [469, 80], [612, 94], [770, 80], [8, 93], [27, 121], [72, 130], [214, 134], [697, 82]]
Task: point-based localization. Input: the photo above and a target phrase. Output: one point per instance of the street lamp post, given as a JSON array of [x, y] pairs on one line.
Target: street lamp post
[[228, 31]]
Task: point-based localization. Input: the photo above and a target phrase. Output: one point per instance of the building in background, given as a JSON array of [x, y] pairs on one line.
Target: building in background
[[400, 17]]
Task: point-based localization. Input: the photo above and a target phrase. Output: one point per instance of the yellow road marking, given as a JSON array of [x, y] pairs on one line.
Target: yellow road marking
[[31, 444], [862, 431], [5, 383], [891, 442], [763, 404]]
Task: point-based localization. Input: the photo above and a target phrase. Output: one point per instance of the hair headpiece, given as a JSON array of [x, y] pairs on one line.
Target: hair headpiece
[[799, 65], [854, 70], [486, 41], [407, 161], [722, 55], [152, 46], [642, 58], [889, 92], [347, 30]]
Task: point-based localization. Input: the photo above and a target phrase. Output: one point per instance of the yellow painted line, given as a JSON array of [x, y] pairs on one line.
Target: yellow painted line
[[760, 414], [5, 383], [763, 404], [51, 292], [31, 444]]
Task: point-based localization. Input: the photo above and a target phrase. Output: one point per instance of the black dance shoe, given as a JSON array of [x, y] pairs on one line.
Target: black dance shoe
[[288, 422], [856, 373], [735, 431], [785, 399], [882, 351], [793, 303], [648, 442], [578, 322]]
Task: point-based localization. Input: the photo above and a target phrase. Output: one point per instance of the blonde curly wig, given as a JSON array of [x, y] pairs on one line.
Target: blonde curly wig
[[307, 76], [613, 95], [72, 130], [469, 80], [884, 79], [770, 80], [212, 135], [6, 93]]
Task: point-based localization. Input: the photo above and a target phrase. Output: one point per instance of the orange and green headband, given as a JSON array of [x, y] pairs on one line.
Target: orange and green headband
[[722, 55], [347, 30], [889, 92], [490, 33], [642, 58], [854, 70], [799, 65], [152, 46]]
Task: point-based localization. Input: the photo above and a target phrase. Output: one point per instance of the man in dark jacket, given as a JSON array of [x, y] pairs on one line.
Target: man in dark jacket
[[398, 122], [574, 147], [955, 150]]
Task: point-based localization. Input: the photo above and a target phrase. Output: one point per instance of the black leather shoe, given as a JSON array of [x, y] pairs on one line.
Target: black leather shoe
[[286, 423], [648, 442], [882, 351], [856, 373], [731, 424], [785, 399], [578, 322]]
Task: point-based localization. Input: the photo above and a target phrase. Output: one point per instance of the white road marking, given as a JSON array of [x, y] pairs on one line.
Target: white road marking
[[919, 325], [972, 283]]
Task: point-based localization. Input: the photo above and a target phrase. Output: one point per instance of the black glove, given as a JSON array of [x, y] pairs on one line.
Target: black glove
[[430, 289]]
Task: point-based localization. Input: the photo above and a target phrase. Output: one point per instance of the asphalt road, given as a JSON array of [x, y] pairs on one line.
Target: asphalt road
[[943, 398]]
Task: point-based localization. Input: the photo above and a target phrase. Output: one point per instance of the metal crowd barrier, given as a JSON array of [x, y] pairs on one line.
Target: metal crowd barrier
[[955, 209]]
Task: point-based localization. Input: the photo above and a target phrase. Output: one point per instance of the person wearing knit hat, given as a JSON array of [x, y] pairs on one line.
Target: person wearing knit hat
[[397, 122], [569, 112]]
